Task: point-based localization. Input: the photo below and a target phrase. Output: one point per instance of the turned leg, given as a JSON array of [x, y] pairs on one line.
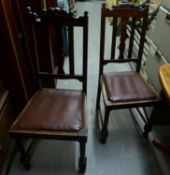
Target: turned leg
[[82, 159], [25, 157], [148, 126], [104, 131], [97, 112], [147, 129], [98, 107], [98, 96]]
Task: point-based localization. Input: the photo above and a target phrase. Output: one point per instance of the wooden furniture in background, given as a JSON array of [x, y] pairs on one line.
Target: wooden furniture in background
[[56, 113], [12, 61], [15, 85], [6, 119], [164, 77], [123, 89]]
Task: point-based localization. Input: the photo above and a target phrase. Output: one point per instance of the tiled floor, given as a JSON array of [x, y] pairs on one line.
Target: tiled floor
[[126, 151]]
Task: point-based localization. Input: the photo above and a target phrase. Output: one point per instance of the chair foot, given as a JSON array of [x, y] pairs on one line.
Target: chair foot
[[82, 164], [145, 134], [102, 140], [147, 129], [25, 160], [25, 157], [82, 159], [103, 137]]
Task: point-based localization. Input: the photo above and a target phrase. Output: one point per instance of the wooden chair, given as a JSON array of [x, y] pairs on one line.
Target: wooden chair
[[123, 89], [56, 113]]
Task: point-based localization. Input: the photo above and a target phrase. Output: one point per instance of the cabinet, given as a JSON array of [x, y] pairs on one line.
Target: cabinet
[[6, 119], [13, 67], [15, 84]]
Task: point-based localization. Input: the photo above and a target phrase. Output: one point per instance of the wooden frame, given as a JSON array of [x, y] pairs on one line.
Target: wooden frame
[[56, 18], [129, 16]]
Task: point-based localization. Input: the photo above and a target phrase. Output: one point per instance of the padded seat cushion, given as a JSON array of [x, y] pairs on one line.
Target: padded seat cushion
[[51, 109], [126, 86]]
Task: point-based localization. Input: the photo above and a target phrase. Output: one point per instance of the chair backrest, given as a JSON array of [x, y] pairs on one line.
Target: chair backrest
[[128, 22], [54, 23]]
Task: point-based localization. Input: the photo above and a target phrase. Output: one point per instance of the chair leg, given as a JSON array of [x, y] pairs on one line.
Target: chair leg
[[104, 131], [25, 157], [98, 96], [98, 106], [147, 129], [148, 126], [82, 159]]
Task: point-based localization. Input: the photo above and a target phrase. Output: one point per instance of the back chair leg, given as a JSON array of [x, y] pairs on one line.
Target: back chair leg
[[147, 129], [98, 97], [148, 126], [82, 159], [98, 106], [25, 157], [104, 131]]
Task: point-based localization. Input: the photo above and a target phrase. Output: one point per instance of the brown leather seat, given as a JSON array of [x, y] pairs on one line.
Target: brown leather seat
[[127, 86], [64, 108]]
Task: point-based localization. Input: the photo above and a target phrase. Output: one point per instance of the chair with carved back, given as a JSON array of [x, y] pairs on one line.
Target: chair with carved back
[[123, 88], [60, 112]]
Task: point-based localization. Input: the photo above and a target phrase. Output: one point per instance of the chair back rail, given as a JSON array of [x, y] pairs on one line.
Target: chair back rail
[[128, 19], [53, 22]]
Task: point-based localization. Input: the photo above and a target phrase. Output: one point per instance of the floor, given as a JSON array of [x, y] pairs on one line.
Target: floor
[[126, 151]]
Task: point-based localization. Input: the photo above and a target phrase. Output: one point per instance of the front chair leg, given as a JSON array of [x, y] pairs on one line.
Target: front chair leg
[[98, 96], [25, 157], [97, 112], [82, 159], [104, 131], [147, 129]]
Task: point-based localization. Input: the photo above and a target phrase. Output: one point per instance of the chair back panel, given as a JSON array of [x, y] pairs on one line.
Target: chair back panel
[[128, 22], [54, 22], [42, 49]]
